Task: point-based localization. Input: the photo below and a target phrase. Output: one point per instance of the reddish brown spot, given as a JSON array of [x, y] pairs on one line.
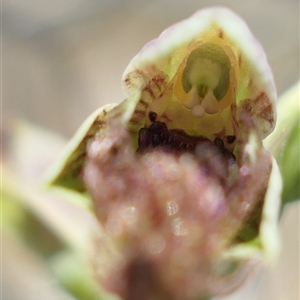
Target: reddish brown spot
[[260, 97], [267, 115], [246, 105], [149, 91], [127, 80], [265, 107], [160, 81], [221, 34], [98, 123], [261, 110], [140, 113], [240, 61], [137, 116], [142, 102], [135, 120]]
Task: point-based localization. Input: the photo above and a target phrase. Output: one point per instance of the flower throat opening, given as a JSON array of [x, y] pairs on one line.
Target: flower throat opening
[[196, 107]]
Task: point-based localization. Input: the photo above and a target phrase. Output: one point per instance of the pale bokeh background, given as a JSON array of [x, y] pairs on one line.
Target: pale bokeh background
[[62, 59]]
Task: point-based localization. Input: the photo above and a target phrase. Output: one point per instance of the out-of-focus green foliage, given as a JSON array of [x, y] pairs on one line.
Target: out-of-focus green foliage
[[290, 166], [19, 220], [284, 143], [44, 222], [74, 274]]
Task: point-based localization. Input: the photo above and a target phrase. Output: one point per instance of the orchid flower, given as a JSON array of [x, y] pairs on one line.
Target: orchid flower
[[177, 173]]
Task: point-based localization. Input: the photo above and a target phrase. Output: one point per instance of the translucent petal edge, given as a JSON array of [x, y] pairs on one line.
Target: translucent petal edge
[[73, 146]]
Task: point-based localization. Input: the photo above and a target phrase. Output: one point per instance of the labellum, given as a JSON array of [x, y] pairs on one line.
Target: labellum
[[177, 173]]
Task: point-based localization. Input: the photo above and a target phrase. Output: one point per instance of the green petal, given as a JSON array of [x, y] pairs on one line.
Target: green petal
[[284, 143], [66, 172], [290, 165], [153, 69]]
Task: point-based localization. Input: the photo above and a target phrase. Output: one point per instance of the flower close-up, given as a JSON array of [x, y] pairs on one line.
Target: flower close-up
[[179, 179], [182, 183]]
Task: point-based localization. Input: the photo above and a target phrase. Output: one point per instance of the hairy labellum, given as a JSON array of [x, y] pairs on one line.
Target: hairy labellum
[[158, 137], [164, 206]]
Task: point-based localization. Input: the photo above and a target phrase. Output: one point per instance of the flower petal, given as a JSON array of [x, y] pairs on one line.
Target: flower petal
[[66, 172], [284, 143], [150, 72], [204, 85]]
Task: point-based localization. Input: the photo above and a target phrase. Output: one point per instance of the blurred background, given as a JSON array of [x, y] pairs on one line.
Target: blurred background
[[62, 59]]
